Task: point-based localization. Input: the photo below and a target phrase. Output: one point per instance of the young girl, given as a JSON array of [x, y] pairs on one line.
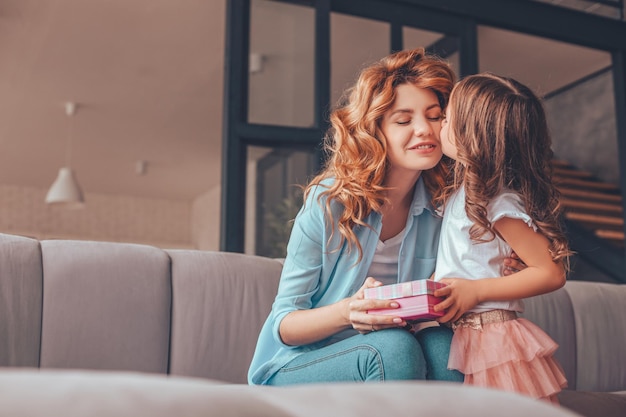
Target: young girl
[[501, 198], [366, 220]]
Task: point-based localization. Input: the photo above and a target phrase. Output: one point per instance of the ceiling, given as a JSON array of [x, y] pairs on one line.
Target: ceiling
[[147, 79]]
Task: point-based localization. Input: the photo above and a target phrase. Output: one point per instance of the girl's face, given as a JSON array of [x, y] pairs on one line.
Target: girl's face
[[411, 127], [447, 140]]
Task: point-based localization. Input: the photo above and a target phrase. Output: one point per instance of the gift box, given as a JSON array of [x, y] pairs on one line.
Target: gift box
[[415, 298]]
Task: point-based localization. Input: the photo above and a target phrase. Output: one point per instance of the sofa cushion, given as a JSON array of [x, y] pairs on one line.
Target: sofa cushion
[[31, 393], [105, 306], [113, 394], [403, 398], [20, 301], [220, 301]]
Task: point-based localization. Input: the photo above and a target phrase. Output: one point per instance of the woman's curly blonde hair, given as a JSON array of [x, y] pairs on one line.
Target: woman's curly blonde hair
[[355, 146]]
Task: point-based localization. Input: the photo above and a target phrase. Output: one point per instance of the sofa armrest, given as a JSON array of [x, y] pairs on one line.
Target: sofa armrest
[[587, 320], [21, 290], [600, 320], [553, 312]]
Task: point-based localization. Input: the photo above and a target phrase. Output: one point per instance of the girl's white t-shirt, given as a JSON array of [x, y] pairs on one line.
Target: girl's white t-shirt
[[460, 257]]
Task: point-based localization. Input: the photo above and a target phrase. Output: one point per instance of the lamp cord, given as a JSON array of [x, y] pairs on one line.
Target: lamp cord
[[69, 109], [68, 149]]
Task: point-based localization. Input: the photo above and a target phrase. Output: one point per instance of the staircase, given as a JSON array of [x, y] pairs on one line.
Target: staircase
[[595, 205], [594, 217]]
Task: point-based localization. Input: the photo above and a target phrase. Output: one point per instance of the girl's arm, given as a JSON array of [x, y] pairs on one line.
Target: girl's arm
[[302, 327], [541, 275]]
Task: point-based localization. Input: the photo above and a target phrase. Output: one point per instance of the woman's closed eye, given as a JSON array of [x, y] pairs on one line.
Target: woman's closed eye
[[436, 117]]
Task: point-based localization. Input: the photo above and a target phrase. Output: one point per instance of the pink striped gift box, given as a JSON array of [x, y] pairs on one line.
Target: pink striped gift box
[[415, 299]]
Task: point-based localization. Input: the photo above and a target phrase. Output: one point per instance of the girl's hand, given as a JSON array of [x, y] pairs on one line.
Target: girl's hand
[[357, 307], [460, 296]]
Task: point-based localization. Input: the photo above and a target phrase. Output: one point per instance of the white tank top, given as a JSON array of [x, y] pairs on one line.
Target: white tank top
[[384, 265]]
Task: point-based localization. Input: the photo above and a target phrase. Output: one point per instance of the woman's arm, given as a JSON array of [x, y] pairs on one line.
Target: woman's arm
[[541, 275], [295, 317], [302, 327]]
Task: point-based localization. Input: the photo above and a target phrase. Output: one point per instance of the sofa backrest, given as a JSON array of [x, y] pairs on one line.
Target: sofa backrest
[[120, 306], [105, 306], [587, 320], [220, 302]]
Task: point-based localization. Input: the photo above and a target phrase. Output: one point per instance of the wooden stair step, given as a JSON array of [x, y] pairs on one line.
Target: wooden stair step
[[561, 163], [595, 218], [591, 205], [610, 234], [572, 192], [570, 172], [586, 184]]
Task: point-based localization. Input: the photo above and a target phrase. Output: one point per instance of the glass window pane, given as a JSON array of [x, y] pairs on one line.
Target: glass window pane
[[281, 76], [608, 8], [274, 196], [355, 42], [578, 91], [446, 46]]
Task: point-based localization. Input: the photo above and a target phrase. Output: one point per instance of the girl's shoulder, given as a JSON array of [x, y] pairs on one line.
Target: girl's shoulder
[[508, 204], [507, 197]]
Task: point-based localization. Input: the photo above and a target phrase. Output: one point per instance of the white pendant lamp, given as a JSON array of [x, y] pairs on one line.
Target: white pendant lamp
[[65, 191]]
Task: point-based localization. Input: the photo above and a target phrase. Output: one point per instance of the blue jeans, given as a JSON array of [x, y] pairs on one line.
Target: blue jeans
[[386, 355]]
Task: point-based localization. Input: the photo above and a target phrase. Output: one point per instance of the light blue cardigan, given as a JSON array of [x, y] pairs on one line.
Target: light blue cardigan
[[316, 274]]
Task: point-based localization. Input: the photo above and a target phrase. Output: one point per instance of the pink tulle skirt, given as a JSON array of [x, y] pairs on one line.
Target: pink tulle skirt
[[512, 355]]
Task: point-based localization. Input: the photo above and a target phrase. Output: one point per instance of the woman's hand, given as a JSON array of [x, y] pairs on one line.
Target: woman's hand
[[302, 327], [357, 307], [460, 296], [513, 264]]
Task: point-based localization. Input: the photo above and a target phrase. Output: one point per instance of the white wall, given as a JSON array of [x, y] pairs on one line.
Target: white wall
[[116, 218], [205, 220]]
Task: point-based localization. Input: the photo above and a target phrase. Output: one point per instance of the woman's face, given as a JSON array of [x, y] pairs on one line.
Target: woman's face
[[447, 140], [411, 127]]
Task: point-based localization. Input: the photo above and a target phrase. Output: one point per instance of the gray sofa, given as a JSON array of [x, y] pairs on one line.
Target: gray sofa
[[92, 322]]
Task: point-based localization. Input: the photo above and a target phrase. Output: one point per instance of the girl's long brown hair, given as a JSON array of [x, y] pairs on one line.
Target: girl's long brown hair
[[355, 145], [502, 138]]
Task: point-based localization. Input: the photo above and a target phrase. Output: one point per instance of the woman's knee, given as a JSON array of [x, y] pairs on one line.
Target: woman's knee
[[435, 343], [400, 354]]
